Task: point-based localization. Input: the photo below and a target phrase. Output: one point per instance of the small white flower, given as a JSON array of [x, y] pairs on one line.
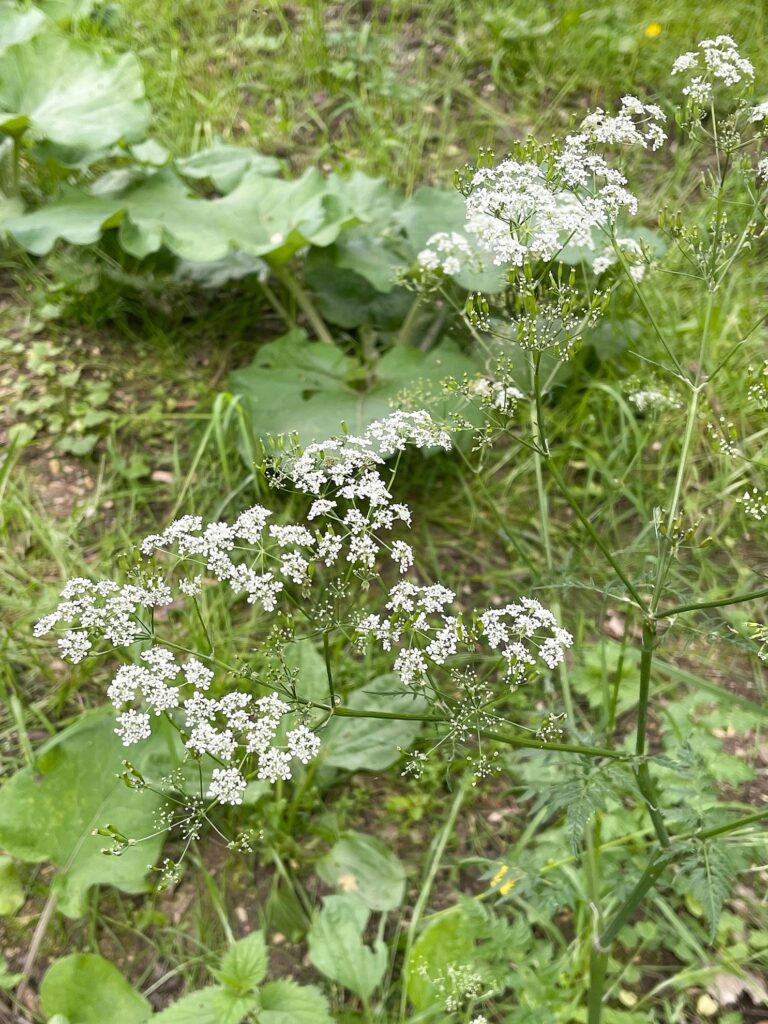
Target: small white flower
[[133, 726], [74, 645], [227, 786]]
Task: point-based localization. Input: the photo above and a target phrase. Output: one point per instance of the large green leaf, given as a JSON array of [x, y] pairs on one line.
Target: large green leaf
[[11, 889], [48, 812], [433, 210], [285, 1002], [225, 166], [87, 989], [363, 866], [371, 744], [76, 217], [294, 385], [18, 24], [64, 91], [216, 1004], [449, 939], [337, 950]]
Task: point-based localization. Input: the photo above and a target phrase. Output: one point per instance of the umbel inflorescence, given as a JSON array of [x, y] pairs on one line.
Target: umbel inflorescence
[[344, 550]]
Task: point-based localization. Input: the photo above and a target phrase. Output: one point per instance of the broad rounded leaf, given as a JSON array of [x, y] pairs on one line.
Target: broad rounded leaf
[[337, 950], [363, 866], [87, 989], [225, 166], [295, 385], [433, 210], [372, 744], [64, 91], [49, 812], [285, 1002], [17, 25], [77, 218]]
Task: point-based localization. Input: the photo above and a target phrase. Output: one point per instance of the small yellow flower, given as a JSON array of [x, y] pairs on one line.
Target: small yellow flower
[[508, 887], [653, 30], [499, 875]]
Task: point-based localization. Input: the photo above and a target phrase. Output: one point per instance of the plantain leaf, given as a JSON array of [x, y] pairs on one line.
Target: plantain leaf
[[364, 867], [371, 744], [337, 950], [87, 989], [49, 812]]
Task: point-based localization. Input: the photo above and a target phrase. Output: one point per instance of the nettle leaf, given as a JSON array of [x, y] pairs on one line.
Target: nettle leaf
[[87, 989], [364, 867], [708, 873], [216, 1004], [285, 1002], [17, 24], [372, 744], [244, 964], [63, 91], [296, 385], [47, 813], [337, 950], [225, 166]]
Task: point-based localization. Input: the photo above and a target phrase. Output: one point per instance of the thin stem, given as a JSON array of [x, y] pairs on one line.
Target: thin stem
[[595, 536], [642, 771], [644, 303], [436, 855], [646, 660], [722, 602], [540, 452], [305, 304], [328, 670]]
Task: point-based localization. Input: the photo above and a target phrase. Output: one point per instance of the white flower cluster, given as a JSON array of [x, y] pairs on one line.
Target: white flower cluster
[[447, 251], [529, 209], [633, 254], [716, 60], [496, 394], [755, 504], [102, 609], [351, 513], [644, 399], [762, 169], [426, 637], [228, 729]]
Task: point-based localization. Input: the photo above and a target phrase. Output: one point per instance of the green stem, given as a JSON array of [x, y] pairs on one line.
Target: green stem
[[406, 329], [594, 535], [716, 603], [642, 771], [305, 304], [436, 855], [328, 670], [646, 661], [540, 452]]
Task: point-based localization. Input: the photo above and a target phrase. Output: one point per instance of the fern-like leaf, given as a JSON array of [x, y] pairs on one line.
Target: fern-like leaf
[[708, 872]]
